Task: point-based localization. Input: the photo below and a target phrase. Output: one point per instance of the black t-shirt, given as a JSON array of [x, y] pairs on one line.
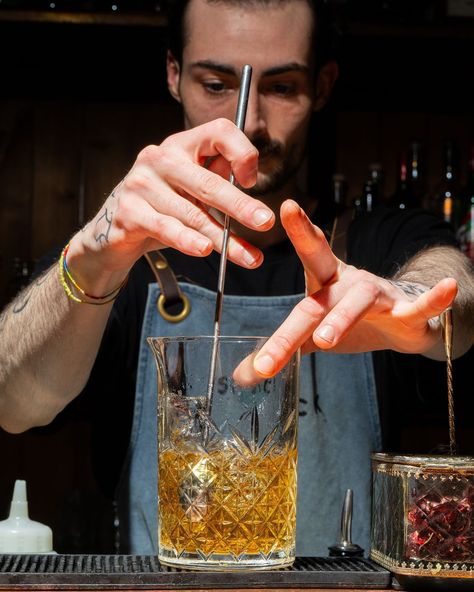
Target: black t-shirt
[[379, 242]]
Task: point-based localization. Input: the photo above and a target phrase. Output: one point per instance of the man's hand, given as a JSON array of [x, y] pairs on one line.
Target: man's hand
[[347, 309], [165, 201]]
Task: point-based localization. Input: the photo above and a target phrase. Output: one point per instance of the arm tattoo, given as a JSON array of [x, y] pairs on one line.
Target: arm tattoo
[[409, 288], [41, 279], [105, 223], [3, 318], [22, 301], [24, 297]]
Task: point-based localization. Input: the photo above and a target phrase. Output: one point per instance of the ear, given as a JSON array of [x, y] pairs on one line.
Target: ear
[[173, 73], [327, 76]]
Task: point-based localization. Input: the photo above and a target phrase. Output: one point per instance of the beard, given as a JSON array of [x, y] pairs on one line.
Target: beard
[[280, 166]]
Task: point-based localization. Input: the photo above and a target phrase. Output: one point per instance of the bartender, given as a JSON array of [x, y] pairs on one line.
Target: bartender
[[82, 325]]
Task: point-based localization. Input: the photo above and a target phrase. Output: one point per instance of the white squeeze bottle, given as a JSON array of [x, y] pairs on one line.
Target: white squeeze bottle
[[19, 534]]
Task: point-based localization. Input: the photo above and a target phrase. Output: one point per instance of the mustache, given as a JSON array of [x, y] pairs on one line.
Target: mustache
[[267, 147]]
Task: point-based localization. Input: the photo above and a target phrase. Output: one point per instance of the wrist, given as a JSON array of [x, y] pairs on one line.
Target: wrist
[[89, 268]]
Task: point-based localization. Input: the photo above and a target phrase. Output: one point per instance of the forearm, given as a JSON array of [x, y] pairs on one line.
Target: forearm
[[426, 269], [48, 344]]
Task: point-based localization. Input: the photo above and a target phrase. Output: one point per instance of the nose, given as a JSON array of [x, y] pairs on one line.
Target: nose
[[255, 120]]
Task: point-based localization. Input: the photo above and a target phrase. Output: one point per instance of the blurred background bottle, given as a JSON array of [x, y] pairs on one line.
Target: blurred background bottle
[[368, 200], [465, 210], [339, 192], [446, 195], [377, 178], [402, 198], [416, 176]]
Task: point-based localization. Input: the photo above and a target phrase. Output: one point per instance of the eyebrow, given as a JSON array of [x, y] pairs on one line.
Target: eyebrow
[[231, 71]]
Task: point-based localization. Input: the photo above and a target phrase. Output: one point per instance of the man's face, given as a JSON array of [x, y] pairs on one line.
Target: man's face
[[276, 42]]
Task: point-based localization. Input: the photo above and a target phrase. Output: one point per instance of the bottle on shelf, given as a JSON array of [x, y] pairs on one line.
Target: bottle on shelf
[[377, 178], [368, 201], [339, 192], [465, 211], [446, 195], [402, 198], [415, 175]]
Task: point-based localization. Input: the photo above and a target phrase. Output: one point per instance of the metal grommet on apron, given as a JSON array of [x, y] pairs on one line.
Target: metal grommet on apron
[[177, 318], [171, 293]]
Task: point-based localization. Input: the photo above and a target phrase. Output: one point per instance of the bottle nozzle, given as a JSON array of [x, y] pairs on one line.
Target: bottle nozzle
[[19, 504], [19, 534]]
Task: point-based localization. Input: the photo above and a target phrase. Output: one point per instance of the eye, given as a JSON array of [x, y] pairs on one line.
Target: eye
[[283, 89], [214, 86]]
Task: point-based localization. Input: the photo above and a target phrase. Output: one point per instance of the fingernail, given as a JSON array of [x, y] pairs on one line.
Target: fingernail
[[252, 175], [202, 245], [249, 258], [326, 333], [261, 216], [264, 364]]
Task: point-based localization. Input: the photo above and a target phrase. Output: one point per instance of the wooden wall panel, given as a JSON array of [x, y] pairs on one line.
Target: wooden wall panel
[[395, 133], [16, 182], [57, 162], [357, 147], [106, 152], [114, 135]]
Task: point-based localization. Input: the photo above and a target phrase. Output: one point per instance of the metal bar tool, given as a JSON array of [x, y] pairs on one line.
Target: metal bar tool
[[240, 123], [345, 547]]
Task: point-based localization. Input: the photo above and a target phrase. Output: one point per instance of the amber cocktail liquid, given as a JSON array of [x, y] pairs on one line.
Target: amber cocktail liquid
[[228, 505], [226, 470]]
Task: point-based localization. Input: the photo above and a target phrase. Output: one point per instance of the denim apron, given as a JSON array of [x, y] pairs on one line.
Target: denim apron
[[338, 425]]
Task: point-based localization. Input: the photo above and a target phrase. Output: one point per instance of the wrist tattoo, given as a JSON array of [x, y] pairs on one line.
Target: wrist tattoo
[[409, 288], [103, 226], [114, 192]]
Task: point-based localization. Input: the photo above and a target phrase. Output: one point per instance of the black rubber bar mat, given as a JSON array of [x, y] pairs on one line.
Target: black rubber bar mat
[[89, 572]]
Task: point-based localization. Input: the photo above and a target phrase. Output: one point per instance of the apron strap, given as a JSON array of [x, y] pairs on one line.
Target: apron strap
[[171, 293]]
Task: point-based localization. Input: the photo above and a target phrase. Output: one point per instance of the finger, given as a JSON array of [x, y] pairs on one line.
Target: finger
[[220, 166], [192, 215], [144, 221], [288, 338], [430, 304], [353, 306], [214, 191], [244, 375], [221, 138], [320, 264]]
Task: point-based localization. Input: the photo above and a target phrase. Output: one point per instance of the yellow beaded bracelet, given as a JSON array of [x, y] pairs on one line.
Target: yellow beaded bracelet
[[65, 274]]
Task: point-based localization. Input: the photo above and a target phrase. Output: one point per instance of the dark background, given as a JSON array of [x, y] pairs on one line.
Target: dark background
[[82, 90]]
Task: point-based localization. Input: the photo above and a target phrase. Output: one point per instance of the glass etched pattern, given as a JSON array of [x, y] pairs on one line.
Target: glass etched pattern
[[387, 535], [226, 471]]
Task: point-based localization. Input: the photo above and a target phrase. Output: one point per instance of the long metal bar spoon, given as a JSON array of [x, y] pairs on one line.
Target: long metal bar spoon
[[447, 324], [240, 123]]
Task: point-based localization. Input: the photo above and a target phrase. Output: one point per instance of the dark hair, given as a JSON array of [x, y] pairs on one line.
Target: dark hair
[[324, 34]]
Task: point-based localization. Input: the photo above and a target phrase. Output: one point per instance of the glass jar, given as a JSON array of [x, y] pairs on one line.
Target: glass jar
[[423, 516]]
